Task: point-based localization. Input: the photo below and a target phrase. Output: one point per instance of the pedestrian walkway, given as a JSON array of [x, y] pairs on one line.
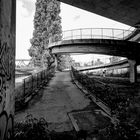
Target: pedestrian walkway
[[60, 103], [60, 97]]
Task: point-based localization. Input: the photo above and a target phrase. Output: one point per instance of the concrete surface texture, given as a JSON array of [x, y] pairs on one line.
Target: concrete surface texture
[[58, 98], [7, 66], [120, 48], [125, 11]]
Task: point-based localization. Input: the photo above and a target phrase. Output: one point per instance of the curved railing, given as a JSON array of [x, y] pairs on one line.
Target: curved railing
[[94, 33]]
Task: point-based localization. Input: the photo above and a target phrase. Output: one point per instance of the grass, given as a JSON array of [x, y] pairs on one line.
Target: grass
[[125, 108]]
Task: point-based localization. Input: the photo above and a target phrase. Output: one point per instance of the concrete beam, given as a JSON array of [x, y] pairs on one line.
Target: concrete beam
[[56, 62]]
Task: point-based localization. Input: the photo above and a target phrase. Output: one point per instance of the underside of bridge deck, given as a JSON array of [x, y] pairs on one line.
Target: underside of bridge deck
[[125, 11], [98, 46]]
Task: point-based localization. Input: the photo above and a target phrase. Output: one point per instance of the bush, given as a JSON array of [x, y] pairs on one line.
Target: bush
[[121, 107], [37, 129], [31, 129]]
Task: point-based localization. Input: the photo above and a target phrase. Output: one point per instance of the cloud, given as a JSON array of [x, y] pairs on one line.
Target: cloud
[[24, 27], [27, 7], [76, 17]]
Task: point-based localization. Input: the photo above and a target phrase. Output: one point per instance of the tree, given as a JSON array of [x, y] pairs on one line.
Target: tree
[[98, 62], [47, 27], [114, 59], [64, 62]]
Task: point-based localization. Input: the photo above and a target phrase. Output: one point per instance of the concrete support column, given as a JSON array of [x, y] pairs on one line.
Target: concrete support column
[[56, 62], [7, 67], [132, 71]]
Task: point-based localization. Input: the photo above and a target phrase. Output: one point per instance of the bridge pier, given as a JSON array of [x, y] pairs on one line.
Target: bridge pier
[[56, 62], [132, 71], [7, 67]]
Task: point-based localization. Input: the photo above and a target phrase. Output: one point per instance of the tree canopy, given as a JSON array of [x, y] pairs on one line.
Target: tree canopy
[[47, 27]]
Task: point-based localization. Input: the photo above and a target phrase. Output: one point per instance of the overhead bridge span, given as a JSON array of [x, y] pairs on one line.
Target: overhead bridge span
[[120, 64], [107, 41]]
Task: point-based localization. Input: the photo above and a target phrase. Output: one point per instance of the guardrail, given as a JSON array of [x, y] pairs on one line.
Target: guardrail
[[93, 33]]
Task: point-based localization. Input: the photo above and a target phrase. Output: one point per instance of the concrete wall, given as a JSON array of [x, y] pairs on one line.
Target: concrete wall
[[7, 66]]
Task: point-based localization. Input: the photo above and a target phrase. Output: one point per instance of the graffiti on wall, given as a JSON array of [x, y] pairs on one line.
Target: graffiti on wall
[[5, 60], [6, 72], [6, 126]]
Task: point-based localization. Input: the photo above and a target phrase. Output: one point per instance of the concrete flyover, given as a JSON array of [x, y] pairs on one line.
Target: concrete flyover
[[125, 11], [98, 46], [121, 64], [106, 41], [135, 36]]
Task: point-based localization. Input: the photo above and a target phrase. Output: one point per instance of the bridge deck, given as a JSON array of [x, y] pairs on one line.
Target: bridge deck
[[98, 46]]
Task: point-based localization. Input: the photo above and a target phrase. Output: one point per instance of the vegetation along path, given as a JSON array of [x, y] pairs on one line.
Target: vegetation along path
[[57, 99]]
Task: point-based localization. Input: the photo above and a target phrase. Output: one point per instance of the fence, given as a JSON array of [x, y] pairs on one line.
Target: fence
[[30, 86], [33, 82]]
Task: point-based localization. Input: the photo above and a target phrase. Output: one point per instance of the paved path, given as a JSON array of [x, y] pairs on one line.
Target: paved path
[[58, 98]]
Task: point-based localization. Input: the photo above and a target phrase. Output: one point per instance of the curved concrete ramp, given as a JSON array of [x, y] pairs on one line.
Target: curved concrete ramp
[[98, 46]]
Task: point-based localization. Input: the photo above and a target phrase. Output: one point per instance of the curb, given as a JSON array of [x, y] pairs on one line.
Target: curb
[[97, 101]]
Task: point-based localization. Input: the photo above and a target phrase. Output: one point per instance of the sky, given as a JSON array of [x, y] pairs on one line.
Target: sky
[[72, 18]]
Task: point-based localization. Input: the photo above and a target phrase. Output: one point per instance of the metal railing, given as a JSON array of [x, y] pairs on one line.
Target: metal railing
[[93, 33], [30, 86], [33, 82]]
